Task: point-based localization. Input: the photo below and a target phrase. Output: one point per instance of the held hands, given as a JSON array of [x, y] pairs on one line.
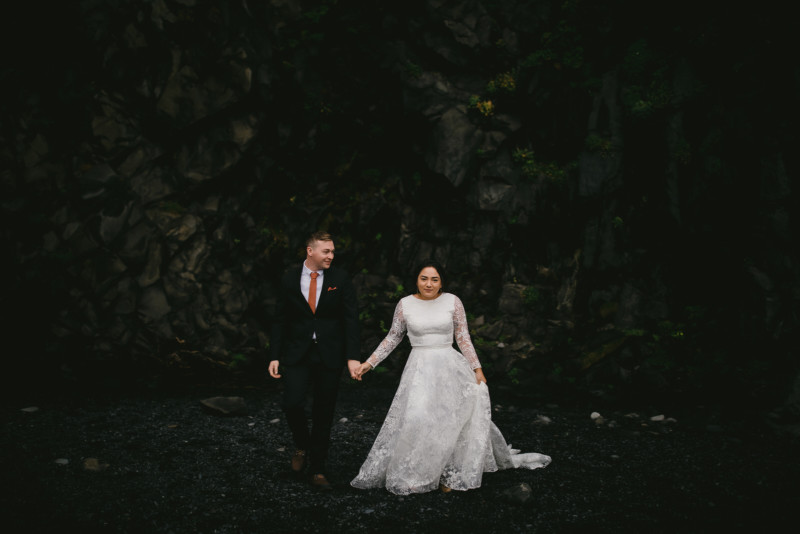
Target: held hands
[[352, 368], [479, 376], [361, 369]]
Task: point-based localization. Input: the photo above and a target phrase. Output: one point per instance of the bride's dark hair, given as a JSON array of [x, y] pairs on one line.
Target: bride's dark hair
[[412, 286]]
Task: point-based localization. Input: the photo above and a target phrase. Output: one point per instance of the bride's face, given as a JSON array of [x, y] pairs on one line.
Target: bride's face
[[429, 283]]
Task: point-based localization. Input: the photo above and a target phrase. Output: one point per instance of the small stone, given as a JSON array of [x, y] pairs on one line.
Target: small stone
[[273, 421], [542, 420], [281, 449], [657, 417], [62, 461], [520, 493], [595, 416], [31, 409], [369, 511], [501, 345], [612, 424], [670, 420], [93, 464], [343, 420], [251, 424], [632, 415]]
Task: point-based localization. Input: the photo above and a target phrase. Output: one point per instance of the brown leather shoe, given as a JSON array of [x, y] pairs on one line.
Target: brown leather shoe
[[298, 461], [318, 481]]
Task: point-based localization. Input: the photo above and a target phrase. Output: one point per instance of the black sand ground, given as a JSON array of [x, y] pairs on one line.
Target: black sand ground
[[161, 462]]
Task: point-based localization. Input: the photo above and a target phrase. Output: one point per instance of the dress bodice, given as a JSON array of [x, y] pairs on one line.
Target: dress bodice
[[429, 323]]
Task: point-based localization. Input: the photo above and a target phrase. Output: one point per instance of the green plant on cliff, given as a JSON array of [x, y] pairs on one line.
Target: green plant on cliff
[[484, 107], [561, 47], [531, 296], [502, 83], [398, 292], [647, 73], [533, 168], [598, 143], [412, 70]]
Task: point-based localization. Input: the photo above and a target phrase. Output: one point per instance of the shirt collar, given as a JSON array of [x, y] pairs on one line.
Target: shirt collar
[[307, 271]]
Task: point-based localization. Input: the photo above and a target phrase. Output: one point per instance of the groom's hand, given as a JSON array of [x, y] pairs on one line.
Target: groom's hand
[[363, 368], [273, 369], [352, 367]]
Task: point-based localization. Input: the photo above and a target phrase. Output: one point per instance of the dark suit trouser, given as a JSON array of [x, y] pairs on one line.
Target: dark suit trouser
[[323, 382]]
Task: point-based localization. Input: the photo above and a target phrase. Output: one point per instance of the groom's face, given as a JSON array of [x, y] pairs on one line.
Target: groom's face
[[320, 255]]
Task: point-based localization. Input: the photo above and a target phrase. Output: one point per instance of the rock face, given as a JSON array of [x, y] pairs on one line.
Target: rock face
[[580, 189]]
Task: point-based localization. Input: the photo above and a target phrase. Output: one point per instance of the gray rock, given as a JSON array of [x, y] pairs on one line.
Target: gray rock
[[138, 158], [454, 144], [152, 269], [511, 300], [93, 464], [152, 184], [191, 95], [153, 304], [518, 494], [491, 330], [207, 157], [114, 128], [112, 225], [225, 405], [184, 228], [494, 196]]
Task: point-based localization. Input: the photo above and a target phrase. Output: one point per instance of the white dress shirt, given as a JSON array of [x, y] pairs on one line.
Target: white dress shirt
[[305, 285], [305, 282]]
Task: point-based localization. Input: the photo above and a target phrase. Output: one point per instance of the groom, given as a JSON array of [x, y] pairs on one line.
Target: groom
[[314, 334]]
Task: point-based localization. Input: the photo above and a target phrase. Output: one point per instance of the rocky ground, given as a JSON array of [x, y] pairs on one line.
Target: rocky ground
[[163, 462]]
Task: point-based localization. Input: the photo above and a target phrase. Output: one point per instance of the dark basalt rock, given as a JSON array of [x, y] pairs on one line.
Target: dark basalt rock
[[162, 163]]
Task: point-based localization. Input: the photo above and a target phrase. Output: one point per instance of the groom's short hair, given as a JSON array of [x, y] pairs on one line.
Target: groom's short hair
[[318, 236]]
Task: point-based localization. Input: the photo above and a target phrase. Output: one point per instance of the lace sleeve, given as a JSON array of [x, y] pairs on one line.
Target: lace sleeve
[[392, 339], [461, 329]]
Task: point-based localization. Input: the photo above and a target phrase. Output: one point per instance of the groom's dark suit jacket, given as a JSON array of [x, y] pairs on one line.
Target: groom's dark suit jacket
[[335, 322]]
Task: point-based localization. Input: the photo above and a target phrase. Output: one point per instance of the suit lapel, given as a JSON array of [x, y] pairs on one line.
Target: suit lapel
[[327, 281], [297, 292]]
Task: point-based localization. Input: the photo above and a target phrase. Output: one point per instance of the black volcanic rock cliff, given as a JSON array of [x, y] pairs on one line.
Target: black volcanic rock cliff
[[610, 187]]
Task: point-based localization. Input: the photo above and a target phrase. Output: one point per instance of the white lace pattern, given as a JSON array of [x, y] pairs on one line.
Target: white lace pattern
[[427, 333], [438, 429]]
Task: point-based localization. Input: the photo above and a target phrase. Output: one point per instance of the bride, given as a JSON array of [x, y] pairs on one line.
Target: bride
[[439, 431]]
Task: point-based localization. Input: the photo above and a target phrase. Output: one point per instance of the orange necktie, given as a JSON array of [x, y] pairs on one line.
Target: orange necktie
[[312, 293]]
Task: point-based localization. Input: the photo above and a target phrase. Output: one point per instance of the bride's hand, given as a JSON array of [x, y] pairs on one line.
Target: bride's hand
[[363, 368], [479, 376]]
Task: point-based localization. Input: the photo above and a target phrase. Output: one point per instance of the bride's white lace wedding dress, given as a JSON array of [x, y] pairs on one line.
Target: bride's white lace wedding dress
[[439, 427]]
